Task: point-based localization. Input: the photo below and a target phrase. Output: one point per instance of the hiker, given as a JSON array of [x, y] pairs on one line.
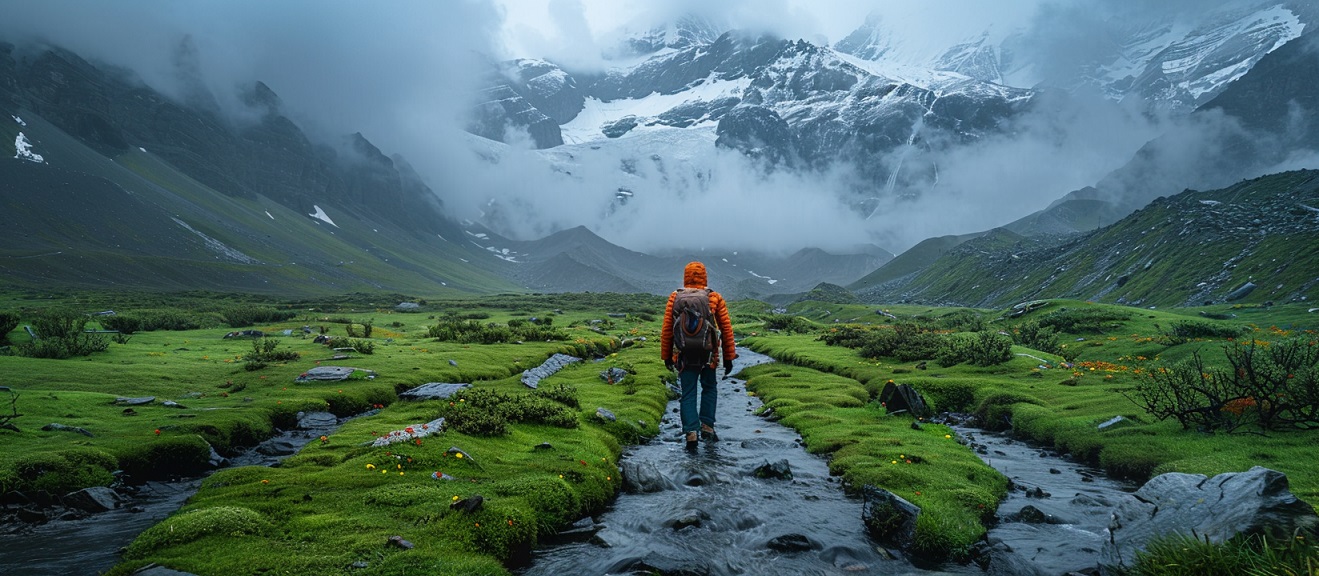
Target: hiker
[[697, 333]]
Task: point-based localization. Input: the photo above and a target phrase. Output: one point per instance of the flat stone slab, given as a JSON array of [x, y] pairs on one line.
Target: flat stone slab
[[121, 401], [331, 374], [531, 378], [433, 391]]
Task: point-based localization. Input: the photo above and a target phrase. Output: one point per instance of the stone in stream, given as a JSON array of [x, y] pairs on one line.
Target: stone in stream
[[790, 543], [780, 470], [314, 420], [1255, 502], [888, 517], [644, 478], [94, 499]]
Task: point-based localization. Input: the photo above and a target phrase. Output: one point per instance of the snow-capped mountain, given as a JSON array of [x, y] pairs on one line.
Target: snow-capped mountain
[[1176, 64]]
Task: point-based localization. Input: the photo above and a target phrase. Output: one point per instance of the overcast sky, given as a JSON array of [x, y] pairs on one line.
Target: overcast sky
[[399, 71]]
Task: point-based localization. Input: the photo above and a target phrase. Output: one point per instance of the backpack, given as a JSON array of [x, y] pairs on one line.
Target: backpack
[[694, 332]]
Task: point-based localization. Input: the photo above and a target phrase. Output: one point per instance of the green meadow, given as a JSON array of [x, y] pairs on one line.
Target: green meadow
[[541, 459]]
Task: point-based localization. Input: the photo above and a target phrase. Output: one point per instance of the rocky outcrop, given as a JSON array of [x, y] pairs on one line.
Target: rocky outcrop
[[1254, 502]]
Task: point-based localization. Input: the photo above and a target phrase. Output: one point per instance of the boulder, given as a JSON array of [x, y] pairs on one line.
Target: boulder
[[134, 401], [889, 518], [316, 420], [644, 477], [780, 470], [605, 414], [469, 504], [902, 398], [1254, 502], [613, 375], [94, 499], [790, 543]]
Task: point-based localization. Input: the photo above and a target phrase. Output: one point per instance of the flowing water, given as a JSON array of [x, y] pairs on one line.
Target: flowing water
[[91, 545], [714, 516], [708, 514]]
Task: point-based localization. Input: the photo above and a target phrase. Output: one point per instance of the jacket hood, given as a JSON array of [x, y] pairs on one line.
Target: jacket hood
[[693, 276]]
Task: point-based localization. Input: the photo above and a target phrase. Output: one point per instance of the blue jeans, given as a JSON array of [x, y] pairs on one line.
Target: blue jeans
[[691, 418]]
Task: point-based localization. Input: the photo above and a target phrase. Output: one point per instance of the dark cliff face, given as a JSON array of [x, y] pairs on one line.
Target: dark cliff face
[[112, 111]]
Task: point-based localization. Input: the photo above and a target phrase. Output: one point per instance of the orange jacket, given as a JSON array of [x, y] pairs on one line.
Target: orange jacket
[[693, 276]]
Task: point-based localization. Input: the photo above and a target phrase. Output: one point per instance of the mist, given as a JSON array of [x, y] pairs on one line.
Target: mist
[[404, 74]]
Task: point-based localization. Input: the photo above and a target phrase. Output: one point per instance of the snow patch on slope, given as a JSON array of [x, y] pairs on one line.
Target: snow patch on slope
[[23, 149], [321, 215], [217, 246]]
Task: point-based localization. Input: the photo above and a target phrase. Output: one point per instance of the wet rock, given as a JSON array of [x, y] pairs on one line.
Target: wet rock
[[903, 399], [215, 460], [1037, 492], [605, 415], [790, 543], [583, 530], [888, 517], [399, 542], [779, 470], [31, 515], [1255, 502], [316, 420], [433, 391], [56, 427], [94, 499], [644, 478], [687, 518], [134, 401], [469, 504], [277, 447], [1032, 515]]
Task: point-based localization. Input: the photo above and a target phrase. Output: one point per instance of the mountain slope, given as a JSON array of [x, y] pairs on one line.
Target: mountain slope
[[1188, 249], [121, 200]]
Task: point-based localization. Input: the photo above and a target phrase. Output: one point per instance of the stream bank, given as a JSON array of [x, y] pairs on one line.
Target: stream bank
[[707, 512], [91, 544]]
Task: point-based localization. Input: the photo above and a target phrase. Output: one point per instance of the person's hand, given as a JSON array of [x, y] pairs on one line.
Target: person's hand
[[728, 369], [668, 364]]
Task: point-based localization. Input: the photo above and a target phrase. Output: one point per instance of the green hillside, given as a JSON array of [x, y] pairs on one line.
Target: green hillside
[[1190, 249]]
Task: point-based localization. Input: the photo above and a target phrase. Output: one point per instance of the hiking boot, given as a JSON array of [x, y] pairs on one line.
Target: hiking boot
[[707, 433], [691, 441]]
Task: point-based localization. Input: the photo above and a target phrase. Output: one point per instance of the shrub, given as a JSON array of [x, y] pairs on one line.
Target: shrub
[[1275, 385], [264, 352], [243, 316], [1183, 332], [788, 323], [453, 329], [361, 346], [1089, 320], [486, 412], [980, 349], [8, 322], [60, 335], [1032, 334]]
